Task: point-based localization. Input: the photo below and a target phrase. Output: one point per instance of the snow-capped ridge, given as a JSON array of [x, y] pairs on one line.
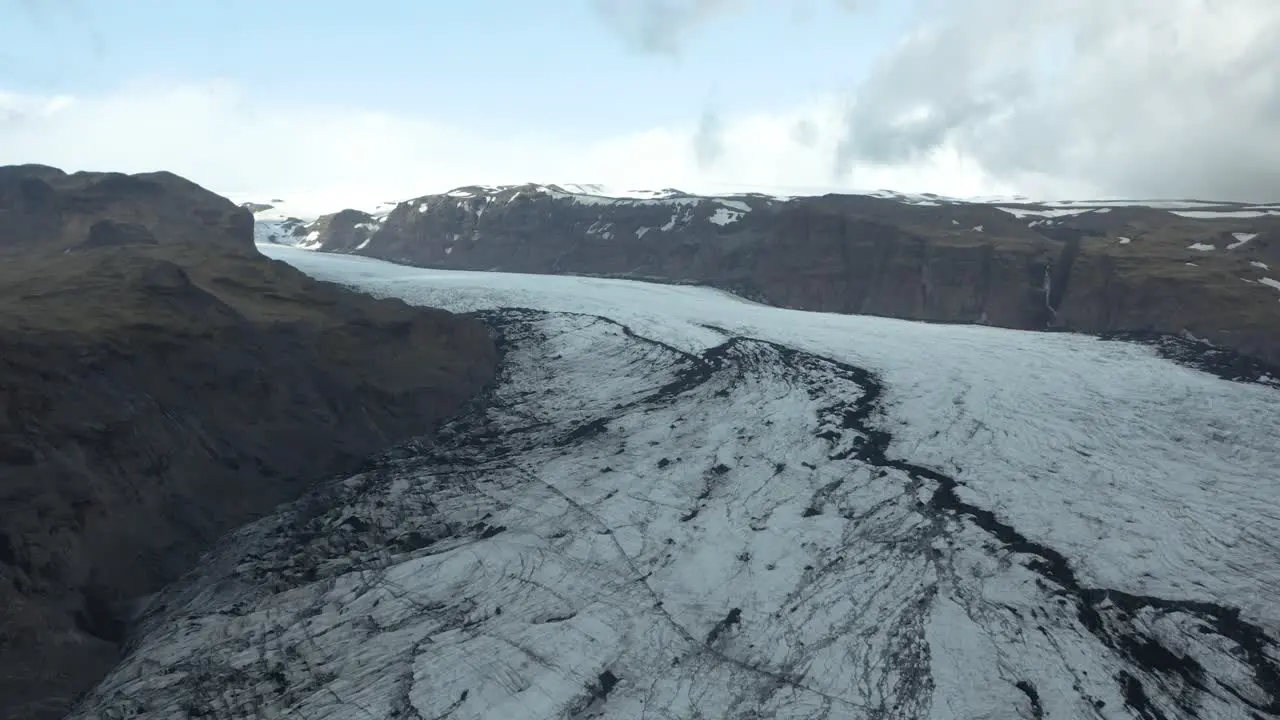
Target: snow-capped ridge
[[606, 194]]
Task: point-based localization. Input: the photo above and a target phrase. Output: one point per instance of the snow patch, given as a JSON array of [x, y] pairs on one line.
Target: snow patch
[[1206, 214], [1160, 204], [1241, 239], [920, 199], [602, 228], [724, 216], [1042, 212], [633, 198], [609, 191]]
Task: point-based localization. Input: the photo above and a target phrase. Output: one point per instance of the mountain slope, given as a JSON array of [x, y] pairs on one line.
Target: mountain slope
[[1164, 267], [162, 382], [679, 504]]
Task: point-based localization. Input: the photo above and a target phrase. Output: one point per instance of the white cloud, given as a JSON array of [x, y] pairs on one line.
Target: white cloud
[[324, 158], [1121, 98], [660, 26], [1065, 98], [1179, 97]]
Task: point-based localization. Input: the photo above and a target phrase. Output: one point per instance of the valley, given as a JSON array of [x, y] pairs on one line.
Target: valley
[[676, 503]]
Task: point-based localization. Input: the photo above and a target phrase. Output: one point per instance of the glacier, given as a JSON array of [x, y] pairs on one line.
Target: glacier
[[675, 503]]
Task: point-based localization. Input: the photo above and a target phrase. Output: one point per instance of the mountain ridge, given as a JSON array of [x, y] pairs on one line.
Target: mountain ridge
[[1175, 267]]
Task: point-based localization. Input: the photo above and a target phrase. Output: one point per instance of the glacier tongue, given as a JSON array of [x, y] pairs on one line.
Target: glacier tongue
[[627, 529]]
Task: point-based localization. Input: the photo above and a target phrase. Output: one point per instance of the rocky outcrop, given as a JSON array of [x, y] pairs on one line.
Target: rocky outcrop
[[344, 231], [161, 382], [1105, 268]]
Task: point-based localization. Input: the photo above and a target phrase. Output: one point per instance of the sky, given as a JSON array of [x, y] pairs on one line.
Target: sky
[[332, 104]]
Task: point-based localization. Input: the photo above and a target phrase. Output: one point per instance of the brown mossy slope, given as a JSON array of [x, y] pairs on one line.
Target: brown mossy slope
[[161, 382]]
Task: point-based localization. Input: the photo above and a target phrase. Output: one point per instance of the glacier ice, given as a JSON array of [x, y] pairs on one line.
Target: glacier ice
[[677, 504]]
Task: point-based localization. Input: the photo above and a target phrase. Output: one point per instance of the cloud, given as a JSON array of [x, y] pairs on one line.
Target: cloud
[[322, 158], [804, 133], [660, 27], [663, 27], [708, 143], [1132, 97], [1076, 98], [1105, 97]]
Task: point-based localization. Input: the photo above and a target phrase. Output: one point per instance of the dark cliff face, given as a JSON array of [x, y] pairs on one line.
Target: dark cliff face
[[161, 383], [1112, 269]]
